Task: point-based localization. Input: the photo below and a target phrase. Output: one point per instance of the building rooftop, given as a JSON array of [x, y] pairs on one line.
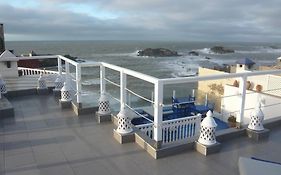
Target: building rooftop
[[8, 56], [44, 139], [245, 61]]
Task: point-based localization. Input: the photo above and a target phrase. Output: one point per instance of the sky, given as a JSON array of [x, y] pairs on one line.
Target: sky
[[178, 20]]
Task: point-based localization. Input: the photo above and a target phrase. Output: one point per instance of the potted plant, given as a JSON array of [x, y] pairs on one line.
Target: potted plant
[[248, 85], [232, 121], [259, 88], [236, 83]]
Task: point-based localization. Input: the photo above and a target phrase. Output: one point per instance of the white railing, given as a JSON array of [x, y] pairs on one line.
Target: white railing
[[159, 85], [182, 129], [31, 71], [147, 129], [185, 129]]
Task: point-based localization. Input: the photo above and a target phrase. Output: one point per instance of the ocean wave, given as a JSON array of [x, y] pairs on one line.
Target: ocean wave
[[91, 82], [128, 54], [260, 50]]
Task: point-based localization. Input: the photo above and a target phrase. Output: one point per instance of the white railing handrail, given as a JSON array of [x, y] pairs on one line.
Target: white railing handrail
[[39, 70], [180, 119], [144, 125], [130, 72], [167, 81]]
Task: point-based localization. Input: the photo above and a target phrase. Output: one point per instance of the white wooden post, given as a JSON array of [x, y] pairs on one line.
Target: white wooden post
[[102, 81], [206, 99], [242, 89], [174, 93], [158, 111], [59, 66], [123, 94], [67, 72], [78, 83]]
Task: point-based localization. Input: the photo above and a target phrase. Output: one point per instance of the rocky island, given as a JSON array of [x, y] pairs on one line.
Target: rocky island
[[221, 50], [158, 52]]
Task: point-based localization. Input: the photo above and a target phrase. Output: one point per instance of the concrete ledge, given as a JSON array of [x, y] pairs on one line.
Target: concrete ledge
[[257, 135], [162, 151], [103, 118], [114, 119], [57, 93], [272, 123], [6, 108], [230, 133], [25, 92], [207, 149], [65, 104], [42, 91], [124, 138], [79, 110]]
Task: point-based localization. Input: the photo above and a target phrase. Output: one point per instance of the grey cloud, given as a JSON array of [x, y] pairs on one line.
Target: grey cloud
[[253, 20]]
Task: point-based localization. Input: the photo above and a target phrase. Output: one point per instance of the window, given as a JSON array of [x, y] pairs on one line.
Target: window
[[240, 65], [8, 64]]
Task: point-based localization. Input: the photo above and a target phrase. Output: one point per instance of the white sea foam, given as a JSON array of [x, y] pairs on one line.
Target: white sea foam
[[91, 82], [259, 50]]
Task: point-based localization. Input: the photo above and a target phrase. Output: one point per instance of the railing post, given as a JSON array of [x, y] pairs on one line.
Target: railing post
[[102, 81], [78, 84], [67, 73], [158, 113], [123, 93], [242, 89], [59, 66], [124, 122]]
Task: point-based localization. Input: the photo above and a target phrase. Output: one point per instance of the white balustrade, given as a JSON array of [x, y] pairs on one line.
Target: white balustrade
[[31, 71], [177, 130], [147, 129]]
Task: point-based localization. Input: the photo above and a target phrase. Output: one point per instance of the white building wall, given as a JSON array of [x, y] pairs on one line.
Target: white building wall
[[232, 101], [9, 72]]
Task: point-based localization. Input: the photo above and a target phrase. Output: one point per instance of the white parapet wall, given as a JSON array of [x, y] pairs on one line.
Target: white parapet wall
[[232, 100]]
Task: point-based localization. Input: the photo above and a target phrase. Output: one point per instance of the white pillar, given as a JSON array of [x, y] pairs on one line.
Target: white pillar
[[102, 81], [123, 93], [193, 93], [59, 66], [66, 93], [257, 116], [67, 73], [78, 83], [242, 90], [41, 84], [207, 130], [206, 99], [3, 89], [124, 122], [158, 111], [104, 105]]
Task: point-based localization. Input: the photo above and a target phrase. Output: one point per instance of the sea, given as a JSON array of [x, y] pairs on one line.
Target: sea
[[124, 53]]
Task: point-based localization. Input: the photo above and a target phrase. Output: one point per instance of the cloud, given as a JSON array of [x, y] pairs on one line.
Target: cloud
[[234, 20]]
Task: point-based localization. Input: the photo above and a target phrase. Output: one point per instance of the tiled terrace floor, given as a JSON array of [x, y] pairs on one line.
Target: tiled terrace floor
[[43, 139]]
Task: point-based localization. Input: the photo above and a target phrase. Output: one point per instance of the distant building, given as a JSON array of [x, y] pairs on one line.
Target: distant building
[[244, 64], [8, 64], [2, 40]]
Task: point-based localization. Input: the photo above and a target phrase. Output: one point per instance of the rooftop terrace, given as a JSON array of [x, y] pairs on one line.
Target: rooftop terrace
[[44, 139]]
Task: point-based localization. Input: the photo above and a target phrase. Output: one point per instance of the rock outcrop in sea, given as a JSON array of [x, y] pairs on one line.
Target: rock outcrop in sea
[[221, 50], [157, 52], [193, 53]]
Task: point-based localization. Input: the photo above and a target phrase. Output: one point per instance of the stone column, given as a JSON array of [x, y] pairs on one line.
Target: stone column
[[2, 39]]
